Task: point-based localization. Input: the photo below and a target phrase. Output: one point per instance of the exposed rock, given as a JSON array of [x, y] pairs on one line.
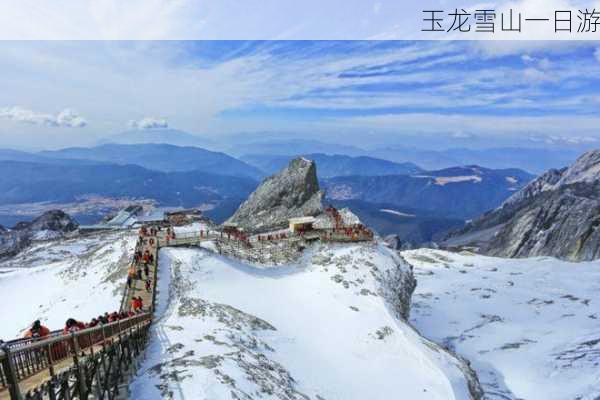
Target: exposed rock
[[395, 243], [54, 220], [327, 221], [557, 214], [50, 225], [294, 192]]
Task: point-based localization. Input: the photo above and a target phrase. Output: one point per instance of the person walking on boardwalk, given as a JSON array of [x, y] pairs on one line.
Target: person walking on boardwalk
[[139, 274], [129, 281], [146, 257], [131, 272], [134, 304], [147, 271], [137, 304], [37, 331], [148, 285]]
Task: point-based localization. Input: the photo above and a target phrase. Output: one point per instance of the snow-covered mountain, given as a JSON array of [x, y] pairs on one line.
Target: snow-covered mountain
[[557, 215], [528, 326], [328, 327], [53, 280], [50, 225]]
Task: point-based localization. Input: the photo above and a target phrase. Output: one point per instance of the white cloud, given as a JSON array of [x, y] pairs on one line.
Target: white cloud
[[526, 58], [534, 75], [70, 118], [149, 123], [377, 7], [67, 118]]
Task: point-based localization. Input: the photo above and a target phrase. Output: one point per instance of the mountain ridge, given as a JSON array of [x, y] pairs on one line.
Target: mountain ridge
[[160, 157], [557, 215]]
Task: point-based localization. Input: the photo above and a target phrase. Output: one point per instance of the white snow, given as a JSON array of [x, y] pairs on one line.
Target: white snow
[[444, 180], [46, 235], [318, 328], [193, 228], [52, 281], [530, 327], [398, 213]]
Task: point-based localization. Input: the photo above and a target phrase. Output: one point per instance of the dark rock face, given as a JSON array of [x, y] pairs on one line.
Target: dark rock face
[[50, 225], [54, 220], [558, 214], [294, 192], [395, 243]]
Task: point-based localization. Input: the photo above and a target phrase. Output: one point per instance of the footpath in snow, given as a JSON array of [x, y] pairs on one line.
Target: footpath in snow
[[530, 327], [322, 329]]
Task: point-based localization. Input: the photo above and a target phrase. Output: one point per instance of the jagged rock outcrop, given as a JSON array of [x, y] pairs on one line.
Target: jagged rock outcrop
[[395, 243], [557, 214], [50, 225], [294, 192]]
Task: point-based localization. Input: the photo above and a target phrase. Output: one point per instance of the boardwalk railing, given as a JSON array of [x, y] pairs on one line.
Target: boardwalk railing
[[20, 361], [325, 234]]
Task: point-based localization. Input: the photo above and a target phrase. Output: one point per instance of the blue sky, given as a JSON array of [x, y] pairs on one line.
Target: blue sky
[[74, 93]]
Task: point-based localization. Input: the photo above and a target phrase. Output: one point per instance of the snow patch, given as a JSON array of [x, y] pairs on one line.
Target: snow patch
[[444, 180], [528, 326], [398, 213], [79, 278]]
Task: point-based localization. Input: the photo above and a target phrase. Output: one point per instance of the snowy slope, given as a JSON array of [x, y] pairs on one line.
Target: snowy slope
[[54, 280], [530, 327], [322, 329]]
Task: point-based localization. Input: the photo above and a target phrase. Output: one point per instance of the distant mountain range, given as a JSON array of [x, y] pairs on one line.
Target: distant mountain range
[[535, 160], [459, 192], [532, 159], [334, 165], [159, 136], [412, 225], [160, 157], [23, 182], [289, 147], [384, 192]]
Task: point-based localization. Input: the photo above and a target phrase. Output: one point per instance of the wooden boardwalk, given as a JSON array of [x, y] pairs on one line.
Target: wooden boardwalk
[[137, 289], [29, 380]]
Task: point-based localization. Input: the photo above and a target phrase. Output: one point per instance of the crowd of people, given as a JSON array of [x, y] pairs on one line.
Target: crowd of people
[[139, 269], [39, 331], [150, 230]]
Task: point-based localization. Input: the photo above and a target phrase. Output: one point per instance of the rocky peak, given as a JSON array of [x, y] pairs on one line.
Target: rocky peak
[[294, 192], [557, 214], [50, 225], [585, 170], [54, 220]]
